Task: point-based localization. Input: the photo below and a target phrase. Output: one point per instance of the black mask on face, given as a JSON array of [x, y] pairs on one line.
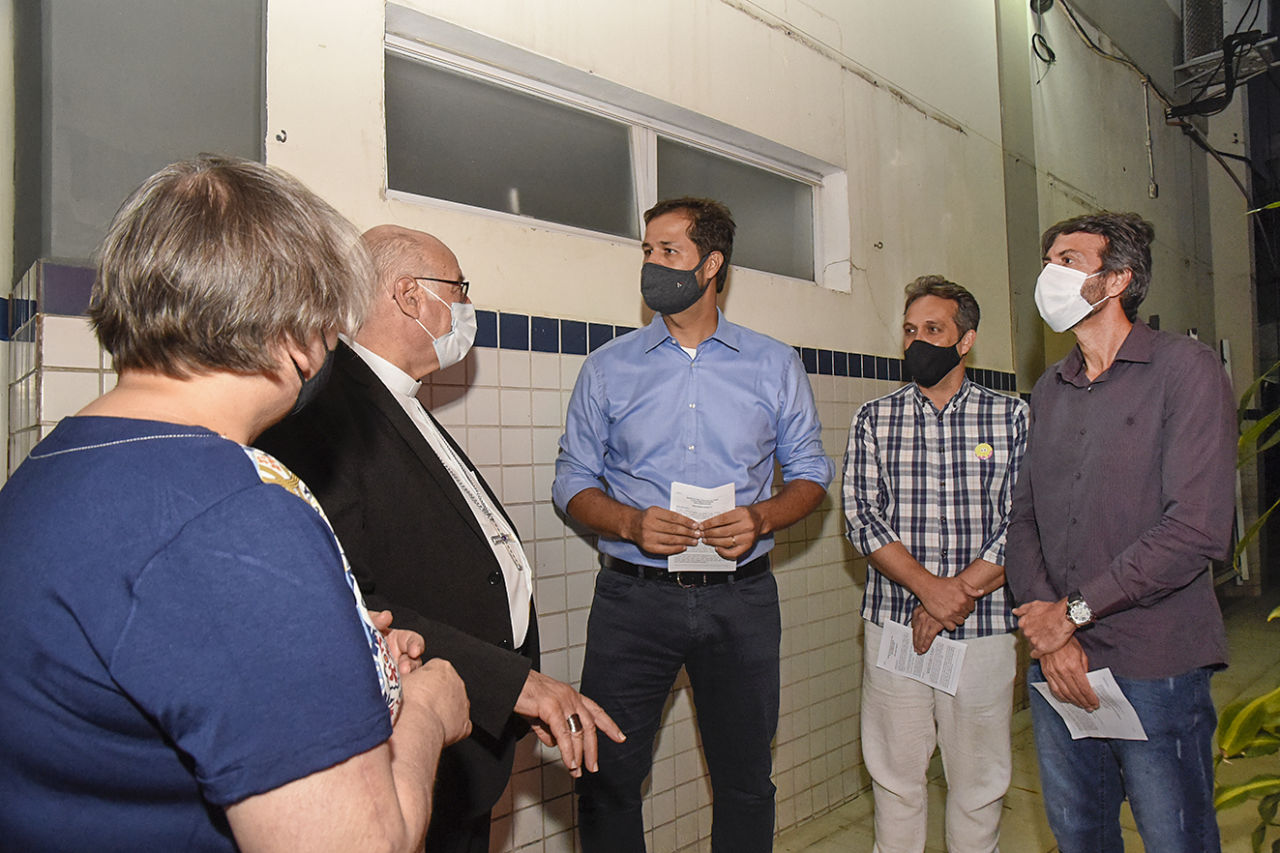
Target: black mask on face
[[927, 363], [669, 291], [312, 385]]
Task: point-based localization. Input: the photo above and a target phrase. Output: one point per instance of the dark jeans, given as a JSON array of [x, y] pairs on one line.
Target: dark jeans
[[726, 636], [1168, 778]]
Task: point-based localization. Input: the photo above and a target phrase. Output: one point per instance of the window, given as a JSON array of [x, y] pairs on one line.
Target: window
[[458, 138], [774, 212], [495, 128]]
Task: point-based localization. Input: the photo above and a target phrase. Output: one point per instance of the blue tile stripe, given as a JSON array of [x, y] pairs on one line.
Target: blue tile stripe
[[505, 330]]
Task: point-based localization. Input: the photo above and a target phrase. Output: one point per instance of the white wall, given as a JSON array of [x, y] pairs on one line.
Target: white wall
[[924, 168]]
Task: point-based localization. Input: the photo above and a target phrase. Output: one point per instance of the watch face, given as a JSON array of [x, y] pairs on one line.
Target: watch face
[[1079, 612]]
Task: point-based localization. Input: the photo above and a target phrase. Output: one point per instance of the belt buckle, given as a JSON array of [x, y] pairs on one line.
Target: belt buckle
[[679, 576]]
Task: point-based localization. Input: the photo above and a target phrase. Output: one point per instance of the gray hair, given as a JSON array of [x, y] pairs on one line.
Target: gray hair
[[213, 262], [1128, 247]]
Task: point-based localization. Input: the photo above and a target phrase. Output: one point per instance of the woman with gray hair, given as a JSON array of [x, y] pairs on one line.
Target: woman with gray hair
[[191, 664]]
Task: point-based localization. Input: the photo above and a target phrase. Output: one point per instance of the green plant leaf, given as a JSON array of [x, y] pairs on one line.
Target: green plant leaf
[[1250, 437], [1236, 732], [1233, 795], [1247, 396], [1249, 535]]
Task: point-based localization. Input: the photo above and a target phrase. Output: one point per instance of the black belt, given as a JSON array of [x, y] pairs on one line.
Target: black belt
[[758, 566]]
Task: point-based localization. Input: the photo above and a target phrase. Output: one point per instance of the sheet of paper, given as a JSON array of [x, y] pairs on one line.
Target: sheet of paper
[[700, 504], [1115, 717], [939, 667]]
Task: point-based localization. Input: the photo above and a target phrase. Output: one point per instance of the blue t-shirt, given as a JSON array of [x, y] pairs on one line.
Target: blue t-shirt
[[179, 634]]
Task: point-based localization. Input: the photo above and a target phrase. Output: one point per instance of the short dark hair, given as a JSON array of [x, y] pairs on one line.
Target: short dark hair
[[1128, 247], [711, 227], [214, 261], [967, 311]]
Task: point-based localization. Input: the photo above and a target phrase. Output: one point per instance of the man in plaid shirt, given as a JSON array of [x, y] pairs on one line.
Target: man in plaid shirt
[[928, 481]]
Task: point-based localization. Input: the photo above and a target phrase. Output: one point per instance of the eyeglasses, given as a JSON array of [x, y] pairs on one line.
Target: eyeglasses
[[464, 285]]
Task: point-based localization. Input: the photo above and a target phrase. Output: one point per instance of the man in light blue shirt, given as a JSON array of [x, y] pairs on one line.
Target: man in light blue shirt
[[696, 400]]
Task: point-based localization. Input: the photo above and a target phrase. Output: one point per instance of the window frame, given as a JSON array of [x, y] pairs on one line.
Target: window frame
[[827, 184]]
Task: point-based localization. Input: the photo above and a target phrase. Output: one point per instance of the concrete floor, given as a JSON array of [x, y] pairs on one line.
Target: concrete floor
[[1255, 668]]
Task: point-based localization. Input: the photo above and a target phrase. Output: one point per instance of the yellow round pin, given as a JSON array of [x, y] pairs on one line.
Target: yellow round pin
[[984, 451]]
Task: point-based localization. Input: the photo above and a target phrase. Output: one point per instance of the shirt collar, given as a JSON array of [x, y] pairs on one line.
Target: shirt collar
[[956, 400], [729, 334], [1138, 346], [397, 381]]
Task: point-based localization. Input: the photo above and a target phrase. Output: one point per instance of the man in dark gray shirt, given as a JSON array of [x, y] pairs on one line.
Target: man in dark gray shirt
[[1126, 492]]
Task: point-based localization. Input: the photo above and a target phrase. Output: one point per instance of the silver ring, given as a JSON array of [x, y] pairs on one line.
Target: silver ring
[[575, 724]]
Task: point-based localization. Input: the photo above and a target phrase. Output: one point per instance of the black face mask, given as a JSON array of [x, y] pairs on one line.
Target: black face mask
[[927, 363], [669, 291], [311, 386]]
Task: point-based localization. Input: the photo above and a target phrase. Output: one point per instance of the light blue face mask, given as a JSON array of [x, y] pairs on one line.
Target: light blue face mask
[[453, 346]]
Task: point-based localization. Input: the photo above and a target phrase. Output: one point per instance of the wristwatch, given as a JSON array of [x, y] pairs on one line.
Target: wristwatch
[[1078, 610]]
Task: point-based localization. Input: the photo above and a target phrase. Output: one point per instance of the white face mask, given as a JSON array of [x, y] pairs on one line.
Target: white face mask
[[452, 347], [1058, 296]]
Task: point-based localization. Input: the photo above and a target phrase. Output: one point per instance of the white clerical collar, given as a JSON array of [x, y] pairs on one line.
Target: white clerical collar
[[397, 381]]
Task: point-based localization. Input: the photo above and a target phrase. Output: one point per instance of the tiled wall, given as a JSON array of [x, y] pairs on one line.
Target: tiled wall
[[505, 404]]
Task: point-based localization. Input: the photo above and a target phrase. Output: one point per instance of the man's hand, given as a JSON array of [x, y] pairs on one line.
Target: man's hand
[[406, 647], [547, 704], [733, 533], [923, 629], [949, 600], [1045, 625], [1067, 671], [436, 687], [661, 531]]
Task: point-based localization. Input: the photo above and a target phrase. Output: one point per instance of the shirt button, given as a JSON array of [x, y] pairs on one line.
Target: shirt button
[[1083, 430], [691, 447], [505, 643], [495, 578], [1073, 521], [1077, 475], [693, 405]]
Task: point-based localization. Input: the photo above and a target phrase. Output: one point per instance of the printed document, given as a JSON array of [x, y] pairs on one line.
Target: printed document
[[700, 504], [1115, 717], [939, 667]]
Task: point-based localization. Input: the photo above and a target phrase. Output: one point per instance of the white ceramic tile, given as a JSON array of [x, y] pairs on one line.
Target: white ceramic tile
[[549, 592], [482, 367], [546, 444], [556, 665], [517, 484], [448, 403], [551, 561], [68, 342], [64, 393], [455, 374], [513, 368], [517, 445], [546, 409], [484, 445], [544, 370], [109, 379], [482, 407], [553, 633], [569, 367], [516, 407], [544, 476], [526, 827]]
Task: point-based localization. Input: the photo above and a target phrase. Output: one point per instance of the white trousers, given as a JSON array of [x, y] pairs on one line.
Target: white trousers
[[902, 721]]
